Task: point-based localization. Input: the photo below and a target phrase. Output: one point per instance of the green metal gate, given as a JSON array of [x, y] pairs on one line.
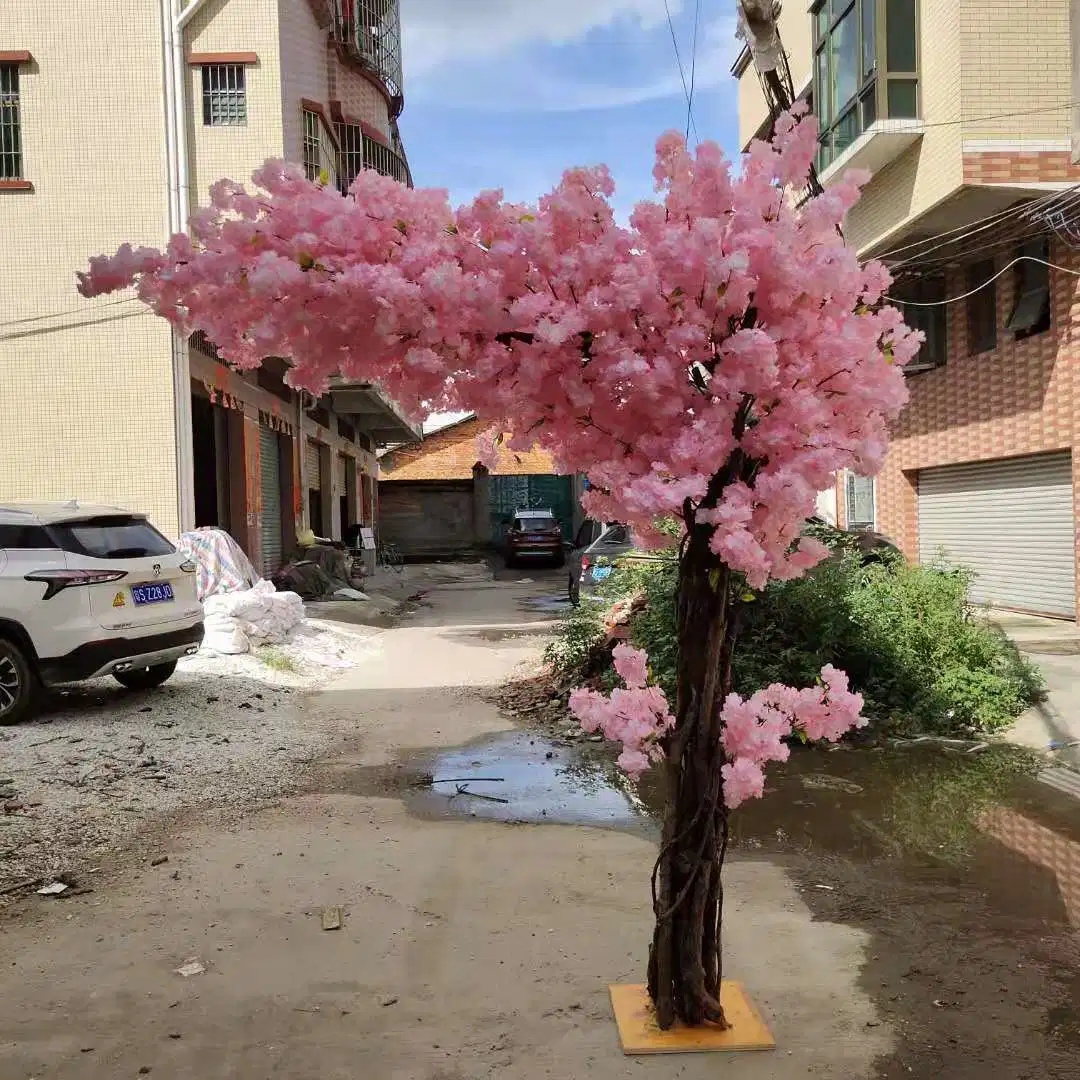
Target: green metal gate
[[507, 494]]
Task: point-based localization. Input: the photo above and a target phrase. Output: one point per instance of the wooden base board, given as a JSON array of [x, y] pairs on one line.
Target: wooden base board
[[636, 1021]]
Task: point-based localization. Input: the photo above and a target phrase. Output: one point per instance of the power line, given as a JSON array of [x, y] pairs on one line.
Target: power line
[[979, 288], [995, 116], [693, 70], [70, 311], [39, 331], [969, 227], [682, 70]]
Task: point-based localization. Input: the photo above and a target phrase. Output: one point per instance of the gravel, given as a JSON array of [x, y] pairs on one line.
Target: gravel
[[99, 763]]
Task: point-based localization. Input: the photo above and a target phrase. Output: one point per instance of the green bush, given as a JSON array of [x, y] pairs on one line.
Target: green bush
[[905, 635], [581, 629]]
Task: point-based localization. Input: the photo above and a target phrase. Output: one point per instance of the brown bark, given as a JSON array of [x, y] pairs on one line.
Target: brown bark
[[684, 960]]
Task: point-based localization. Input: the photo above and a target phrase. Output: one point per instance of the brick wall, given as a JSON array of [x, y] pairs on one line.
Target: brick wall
[[451, 454], [1023, 166], [1021, 398]]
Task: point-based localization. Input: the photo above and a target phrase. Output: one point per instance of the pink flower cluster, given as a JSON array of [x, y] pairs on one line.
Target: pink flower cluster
[[636, 716], [624, 350], [754, 729]]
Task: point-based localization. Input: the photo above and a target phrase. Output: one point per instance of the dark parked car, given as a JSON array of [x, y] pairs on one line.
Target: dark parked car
[[535, 534], [871, 546], [593, 554]]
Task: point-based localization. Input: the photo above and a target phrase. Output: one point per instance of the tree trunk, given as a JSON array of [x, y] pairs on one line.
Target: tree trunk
[[684, 960]]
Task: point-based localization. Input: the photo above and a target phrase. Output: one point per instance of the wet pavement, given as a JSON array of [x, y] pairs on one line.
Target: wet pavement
[[962, 869]]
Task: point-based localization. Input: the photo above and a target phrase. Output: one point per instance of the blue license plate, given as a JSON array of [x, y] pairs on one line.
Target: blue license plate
[[601, 572], [151, 594]]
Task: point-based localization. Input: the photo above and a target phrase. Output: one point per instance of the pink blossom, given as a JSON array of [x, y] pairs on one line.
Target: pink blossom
[[619, 349], [632, 665]]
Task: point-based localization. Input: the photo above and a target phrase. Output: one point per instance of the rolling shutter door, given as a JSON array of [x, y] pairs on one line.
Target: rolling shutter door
[[270, 514], [1011, 522], [343, 473], [314, 473]]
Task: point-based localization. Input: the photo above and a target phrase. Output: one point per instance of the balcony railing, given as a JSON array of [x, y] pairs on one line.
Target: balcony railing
[[371, 31]]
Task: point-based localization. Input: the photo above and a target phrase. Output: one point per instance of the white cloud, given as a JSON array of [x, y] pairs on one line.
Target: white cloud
[[442, 32], [490, 54]]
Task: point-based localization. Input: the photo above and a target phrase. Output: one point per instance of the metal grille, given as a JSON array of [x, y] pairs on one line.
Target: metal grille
[[372, 30], [351, 141], [224, 95], [10, 131], [312, 157], [361, 151]]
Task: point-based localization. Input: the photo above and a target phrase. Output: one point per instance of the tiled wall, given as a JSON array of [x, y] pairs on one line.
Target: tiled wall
[[1015, 58], [1021, 398], [86, 400], [235, 26]]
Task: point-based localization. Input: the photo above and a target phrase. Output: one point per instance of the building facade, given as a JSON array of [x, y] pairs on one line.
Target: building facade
[[114, 122], [962, 112], [436, 498]]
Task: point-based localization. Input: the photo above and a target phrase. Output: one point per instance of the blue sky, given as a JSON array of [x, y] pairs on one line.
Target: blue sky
[[507, 93]]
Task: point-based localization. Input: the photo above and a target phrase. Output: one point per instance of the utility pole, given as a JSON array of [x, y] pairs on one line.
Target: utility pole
[[758, 25]]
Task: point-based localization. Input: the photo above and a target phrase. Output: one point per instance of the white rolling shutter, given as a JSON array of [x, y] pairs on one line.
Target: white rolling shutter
[[270, 515], [343, 472], [1009, 521], [314, 473]]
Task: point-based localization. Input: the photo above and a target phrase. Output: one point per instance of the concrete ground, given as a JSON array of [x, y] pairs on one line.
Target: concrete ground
[[1054, 644], [468, 949]]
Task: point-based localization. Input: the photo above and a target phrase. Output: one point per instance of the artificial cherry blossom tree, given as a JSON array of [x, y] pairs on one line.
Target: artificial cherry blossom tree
[[715, 361]]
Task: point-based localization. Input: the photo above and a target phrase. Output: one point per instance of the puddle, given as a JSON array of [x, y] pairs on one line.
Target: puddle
[[511, 777], [540, 780]]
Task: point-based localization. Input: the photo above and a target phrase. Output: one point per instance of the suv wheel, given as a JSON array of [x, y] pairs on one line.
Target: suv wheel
[[145, 678], [18, 684]]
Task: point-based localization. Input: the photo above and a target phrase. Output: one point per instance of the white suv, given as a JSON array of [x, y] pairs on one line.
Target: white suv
[[85, 592]]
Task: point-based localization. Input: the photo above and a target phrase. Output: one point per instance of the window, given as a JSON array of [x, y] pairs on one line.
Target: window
[[224, 93], [312, 150], [25, 537], [1031, 311], [11, 164], [865, 67], [351, 158], [924, 311], [859, 496], [981, 307], [360, 151], [113, 537]]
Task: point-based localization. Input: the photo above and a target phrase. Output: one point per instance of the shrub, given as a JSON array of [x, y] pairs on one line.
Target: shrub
[[907, 637], [580, 631]]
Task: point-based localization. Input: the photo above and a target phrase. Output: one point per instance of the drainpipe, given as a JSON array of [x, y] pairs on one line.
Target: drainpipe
[[176, 77], [301, 471]]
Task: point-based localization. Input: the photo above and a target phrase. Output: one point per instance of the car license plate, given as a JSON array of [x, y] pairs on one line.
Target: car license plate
[[151, 594], [601, 572]]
